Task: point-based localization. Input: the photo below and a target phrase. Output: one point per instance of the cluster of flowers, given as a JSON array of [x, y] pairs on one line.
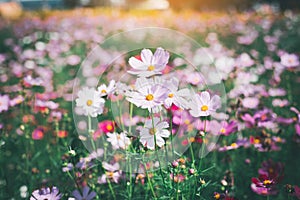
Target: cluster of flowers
[[152, 92]]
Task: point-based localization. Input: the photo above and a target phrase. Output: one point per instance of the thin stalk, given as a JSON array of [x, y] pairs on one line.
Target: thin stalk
[[130, 117], [111, 189], [90, 131], [157, 157], [149, 180]]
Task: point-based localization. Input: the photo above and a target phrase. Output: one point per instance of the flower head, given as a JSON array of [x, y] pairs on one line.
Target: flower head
[[148, 94], [86, 194], [46, 193], [90, 101], [203, 105], [4, 103], [107, 90], [149, 64], [289, 60], [154, 130], [175, 96], [118, 140]]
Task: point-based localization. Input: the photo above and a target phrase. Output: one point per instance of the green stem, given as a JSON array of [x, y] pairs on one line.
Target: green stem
[[149, 180], [111, 189], [157, 157], [130, 117], [90, 131], [202, 146]]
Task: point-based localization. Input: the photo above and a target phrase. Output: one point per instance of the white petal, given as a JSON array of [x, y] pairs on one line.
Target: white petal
[[147, 56], [137, 64], [159, 141], [205, 97], [164, 133]]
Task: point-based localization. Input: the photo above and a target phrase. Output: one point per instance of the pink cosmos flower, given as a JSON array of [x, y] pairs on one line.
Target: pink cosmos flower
[[203, 105], [289, 60], [250, 102], [38, 134], [112, 172], [4, 103], [175, 96], [149, 64]]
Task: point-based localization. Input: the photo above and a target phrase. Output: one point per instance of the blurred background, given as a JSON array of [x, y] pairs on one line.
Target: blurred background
[[146, 4]]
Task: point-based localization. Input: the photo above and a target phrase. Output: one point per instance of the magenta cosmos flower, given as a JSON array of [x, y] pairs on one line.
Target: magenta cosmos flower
[[149, 64], [263, 185], [202, 105]]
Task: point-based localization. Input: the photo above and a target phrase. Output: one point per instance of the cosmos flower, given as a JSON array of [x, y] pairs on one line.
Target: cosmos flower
[[107, 90], [38, 134], [118, 140], [148, 95], [272, 169], [46, 193], [85, 195], [29, 81], [175, 96], [157, 131], [264, 185], [4, 103], [203, 105], [149, 64], [91, 103], [289, 60], [106, 126], [112, 172]]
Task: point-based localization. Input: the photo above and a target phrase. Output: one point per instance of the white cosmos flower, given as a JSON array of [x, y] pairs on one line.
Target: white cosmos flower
[[157, 129], [203, 105], [149, 64], [118, 140], [107, 90], [90, 101], [175, 96], [147, 95]]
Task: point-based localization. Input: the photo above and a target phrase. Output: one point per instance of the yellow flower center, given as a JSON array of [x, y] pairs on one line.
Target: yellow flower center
[[152, 131], [204, 108], [223, 130], [171, 95], [109, 174], [187, 122], [234, 145], [103, 91], [109, 127], [118, 137], [267, 182], [151, 68], [89, 102], [256, 141], [217, 196], [149, 97]]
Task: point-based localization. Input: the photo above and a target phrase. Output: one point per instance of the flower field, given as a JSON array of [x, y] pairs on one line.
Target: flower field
[[114, 104]]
